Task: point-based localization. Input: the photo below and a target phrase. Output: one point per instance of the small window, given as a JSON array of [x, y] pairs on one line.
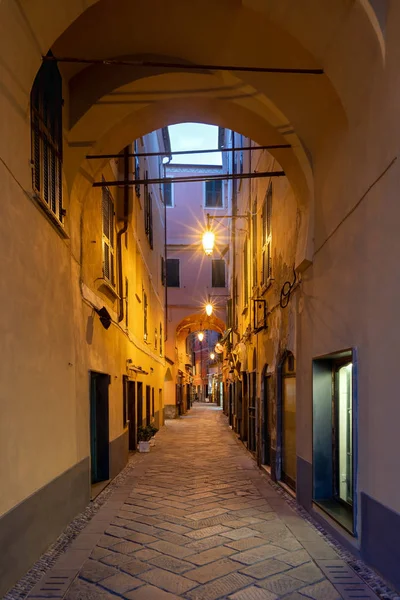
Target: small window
[[145, 329], [218, 273], [173, 278], [155, 338], [161, 339], [46, 136], [213, 194], [108, 235], [167, 193]]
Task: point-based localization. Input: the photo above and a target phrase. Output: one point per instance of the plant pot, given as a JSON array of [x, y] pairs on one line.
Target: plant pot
[[153, 441], [144, 446]]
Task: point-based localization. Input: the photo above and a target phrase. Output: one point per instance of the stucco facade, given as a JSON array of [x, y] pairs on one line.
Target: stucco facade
[[343, 130]]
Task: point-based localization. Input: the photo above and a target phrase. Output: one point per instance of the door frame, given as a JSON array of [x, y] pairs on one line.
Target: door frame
[[280, 475], [99, 454]]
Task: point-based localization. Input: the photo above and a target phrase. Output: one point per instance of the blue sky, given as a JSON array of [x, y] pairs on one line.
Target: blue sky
[[194, 136]]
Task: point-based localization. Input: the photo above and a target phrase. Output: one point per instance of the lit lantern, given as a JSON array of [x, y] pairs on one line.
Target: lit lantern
[[208, 242], [209, 309], [200, 335], [212, 355]]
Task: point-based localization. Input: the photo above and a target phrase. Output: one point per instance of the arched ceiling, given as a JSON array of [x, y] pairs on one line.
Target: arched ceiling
[[106, 106], [199, 322]]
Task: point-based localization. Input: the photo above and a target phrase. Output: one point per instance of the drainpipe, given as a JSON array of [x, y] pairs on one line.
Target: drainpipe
[[120, 233]]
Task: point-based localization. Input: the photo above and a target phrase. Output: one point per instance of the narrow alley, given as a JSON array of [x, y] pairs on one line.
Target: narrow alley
[[197, 519]]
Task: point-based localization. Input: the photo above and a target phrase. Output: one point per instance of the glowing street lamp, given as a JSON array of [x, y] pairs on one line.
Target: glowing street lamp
[[209, 309], [212, 355], [208, 242], [200, 336]]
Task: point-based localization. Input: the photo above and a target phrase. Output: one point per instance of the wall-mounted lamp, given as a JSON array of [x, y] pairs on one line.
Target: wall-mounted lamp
[[209, 309], [200, 336], [208, 242], [212, 356], [208, 238]]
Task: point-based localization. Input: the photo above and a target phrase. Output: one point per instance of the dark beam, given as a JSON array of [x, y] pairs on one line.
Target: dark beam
[[179, 152], [185, 66], [161, 180]]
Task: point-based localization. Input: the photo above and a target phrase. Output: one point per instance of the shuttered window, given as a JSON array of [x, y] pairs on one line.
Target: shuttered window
[[145, 316], [108, 235], [213, 192], [46, 137], [245, 274], [161, 339], [266, 237], [167, 193], [218, 273], [148, 214], [173, 278], [137, 169]]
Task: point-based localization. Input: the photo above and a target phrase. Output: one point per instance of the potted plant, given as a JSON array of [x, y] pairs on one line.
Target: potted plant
[[153, 433], [144, 436]]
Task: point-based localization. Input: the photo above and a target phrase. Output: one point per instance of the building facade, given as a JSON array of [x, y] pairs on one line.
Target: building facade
[[333, 122], [193, 280]]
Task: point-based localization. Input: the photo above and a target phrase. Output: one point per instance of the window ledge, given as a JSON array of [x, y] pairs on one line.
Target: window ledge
[[105, 286], [57, 225]]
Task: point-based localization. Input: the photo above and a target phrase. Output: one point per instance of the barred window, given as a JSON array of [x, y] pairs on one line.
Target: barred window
[[46, 137], [108, 235]]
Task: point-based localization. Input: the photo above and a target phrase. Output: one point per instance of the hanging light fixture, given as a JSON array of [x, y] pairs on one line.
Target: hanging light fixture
[[209, 309], [208, 242], [200, 336]]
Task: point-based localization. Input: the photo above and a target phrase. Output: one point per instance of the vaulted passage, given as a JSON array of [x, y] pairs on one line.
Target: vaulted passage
[[113, 318], [197, 519]]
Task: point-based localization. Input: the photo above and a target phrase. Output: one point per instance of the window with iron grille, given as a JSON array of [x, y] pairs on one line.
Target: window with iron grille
[[46, 137], [266, 237], [108, 235], [173, 278], [167, 193], [145, 308], [213, 194], [148, 213], [137, 169], [218, 273]]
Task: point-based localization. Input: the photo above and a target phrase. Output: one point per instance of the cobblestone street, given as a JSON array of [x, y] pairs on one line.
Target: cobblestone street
[[198, 520]]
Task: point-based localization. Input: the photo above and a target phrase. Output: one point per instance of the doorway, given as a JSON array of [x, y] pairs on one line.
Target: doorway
[[265, 419], [252, 412], [139, 391], [99, 427], [148, 405], [132, 426], [288, 420]]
